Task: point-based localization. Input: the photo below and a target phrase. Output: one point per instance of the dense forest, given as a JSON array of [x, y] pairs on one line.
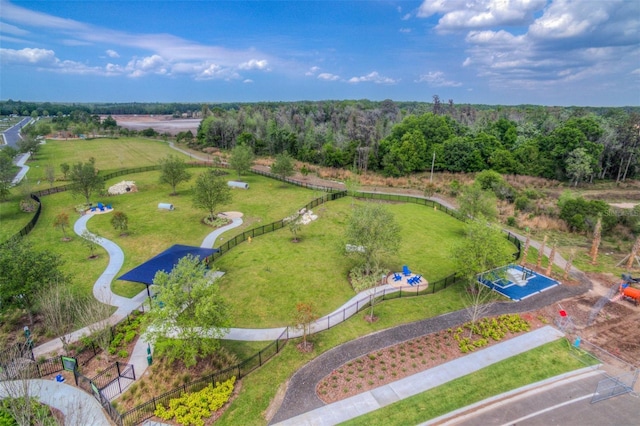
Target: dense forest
[[398, 138]]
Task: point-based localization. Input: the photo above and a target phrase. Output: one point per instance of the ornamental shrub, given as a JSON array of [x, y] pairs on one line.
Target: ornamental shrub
[[192, 407]]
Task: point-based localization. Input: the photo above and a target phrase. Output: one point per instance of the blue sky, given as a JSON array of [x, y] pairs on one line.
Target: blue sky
[[558, 52]]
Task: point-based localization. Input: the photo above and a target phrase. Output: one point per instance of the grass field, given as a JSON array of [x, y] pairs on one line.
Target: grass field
[[110, 155], [265, 279]]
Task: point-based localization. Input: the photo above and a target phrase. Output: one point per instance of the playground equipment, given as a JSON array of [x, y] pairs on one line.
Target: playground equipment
[[629, 292], [165, 206], [236, 184]]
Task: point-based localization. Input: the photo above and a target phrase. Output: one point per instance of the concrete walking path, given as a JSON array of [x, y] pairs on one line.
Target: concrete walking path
[[78, 407], [382, 396]]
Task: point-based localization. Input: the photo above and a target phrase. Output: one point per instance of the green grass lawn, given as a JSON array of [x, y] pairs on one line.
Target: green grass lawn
[[12, 219], [260, 387], [538, 364], [110, 155], [265, 279]]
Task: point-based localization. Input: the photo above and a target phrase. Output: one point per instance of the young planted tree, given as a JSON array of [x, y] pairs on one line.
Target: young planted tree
[[552, 258], [190, 314], [50, 174], [120, 222], [595, 244], [91, 242], [482, 249], [64, 168], [541, 252], [295, 223], [525, 250], [283, 166], [173, 170], [361, 281], [567, 267], [61, 222], [85, 179], [304, 315], [241, 159], [210, 191]]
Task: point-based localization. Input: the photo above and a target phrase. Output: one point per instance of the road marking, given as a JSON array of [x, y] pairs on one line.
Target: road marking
[[537, 413]]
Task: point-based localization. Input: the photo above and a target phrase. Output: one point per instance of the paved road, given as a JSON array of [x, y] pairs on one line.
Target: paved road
[[11, 136], [557, 402]]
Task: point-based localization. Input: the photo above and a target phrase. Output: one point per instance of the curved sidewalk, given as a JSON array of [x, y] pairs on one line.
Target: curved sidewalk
[[382, 396], [79, 407]]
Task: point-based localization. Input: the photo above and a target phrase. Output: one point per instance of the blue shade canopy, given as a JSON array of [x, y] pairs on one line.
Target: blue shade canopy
[[164, 261]]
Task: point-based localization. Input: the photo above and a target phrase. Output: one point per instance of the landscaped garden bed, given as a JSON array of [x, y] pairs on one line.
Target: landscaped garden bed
[[413, 356]]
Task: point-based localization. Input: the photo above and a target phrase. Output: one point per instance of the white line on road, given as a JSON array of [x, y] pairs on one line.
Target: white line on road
[[537, 413]]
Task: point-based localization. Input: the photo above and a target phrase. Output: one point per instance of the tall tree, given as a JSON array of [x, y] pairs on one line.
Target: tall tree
[[475, 202], [85, 179], [283, 166], [374, 228], [24, 270], [173, 170], [210, 191], [188, 305], [578, 165], [241, 159]]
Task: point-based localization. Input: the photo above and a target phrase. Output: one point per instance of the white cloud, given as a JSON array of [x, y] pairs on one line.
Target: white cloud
[[255, 64], [153, 64], [28, 56], [12, 29], [247, 81], [328, 76], [373, 77], [477, 14], [511, 46], [312, 71], [437, 79], [405, 30], [178, 55], [112, 53]]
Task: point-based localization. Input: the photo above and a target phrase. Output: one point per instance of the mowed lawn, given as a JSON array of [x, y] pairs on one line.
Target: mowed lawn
[[152, 230], [265, 279], [110, 155]]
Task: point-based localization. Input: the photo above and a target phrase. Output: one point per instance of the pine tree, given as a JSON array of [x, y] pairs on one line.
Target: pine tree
[[541, 252], [597, 236]]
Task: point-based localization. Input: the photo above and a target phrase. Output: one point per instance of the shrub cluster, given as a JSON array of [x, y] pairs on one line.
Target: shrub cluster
[[125, 333], [489, 328], [192, 407]]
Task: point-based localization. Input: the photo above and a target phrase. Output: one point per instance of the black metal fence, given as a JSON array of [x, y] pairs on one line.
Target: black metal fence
[[145, 410], [265, 229]]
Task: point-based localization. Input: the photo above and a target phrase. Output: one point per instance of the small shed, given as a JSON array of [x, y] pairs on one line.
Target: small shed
[[165, 206], [237, 184]]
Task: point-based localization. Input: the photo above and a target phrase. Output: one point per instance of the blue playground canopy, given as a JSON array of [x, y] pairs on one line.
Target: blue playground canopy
[[164, 261]]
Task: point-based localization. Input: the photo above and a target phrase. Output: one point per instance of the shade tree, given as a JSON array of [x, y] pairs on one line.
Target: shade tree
[[173, 171]]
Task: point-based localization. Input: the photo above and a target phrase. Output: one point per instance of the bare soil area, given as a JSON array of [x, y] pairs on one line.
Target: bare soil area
[[160, 123]]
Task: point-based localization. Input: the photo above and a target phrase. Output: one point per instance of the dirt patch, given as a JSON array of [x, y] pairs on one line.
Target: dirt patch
[[159, 123]]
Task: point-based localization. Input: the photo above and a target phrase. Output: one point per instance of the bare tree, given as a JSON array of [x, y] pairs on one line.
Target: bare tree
[[17, 387], [597, 236], [61, 311], [478, 300], [304, 316]]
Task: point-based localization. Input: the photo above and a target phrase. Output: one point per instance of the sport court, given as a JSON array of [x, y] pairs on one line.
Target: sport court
[[516, 282]]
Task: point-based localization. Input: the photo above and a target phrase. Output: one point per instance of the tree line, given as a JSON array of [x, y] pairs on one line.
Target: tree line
[[398, 138]]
